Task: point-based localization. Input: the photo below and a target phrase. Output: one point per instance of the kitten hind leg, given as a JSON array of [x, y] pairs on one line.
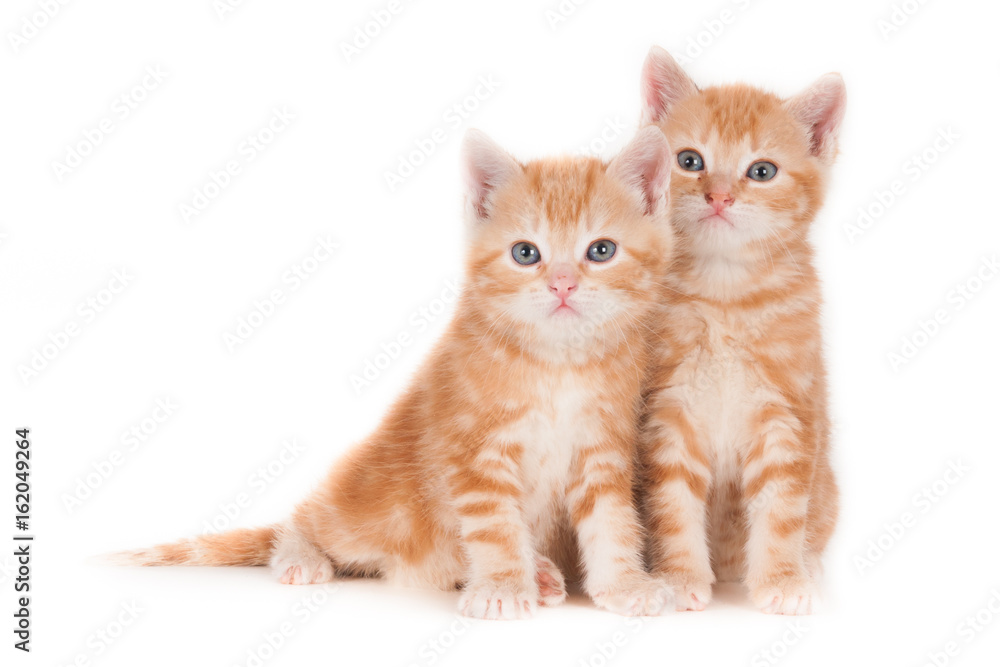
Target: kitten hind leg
[[551, 585], [728, 530], [296, 560]]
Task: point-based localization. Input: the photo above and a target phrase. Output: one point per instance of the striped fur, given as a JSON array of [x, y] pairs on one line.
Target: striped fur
[[509, 462], [737, 479]]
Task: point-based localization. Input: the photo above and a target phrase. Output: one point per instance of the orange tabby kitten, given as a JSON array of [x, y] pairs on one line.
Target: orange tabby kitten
[[513, 449], [735, 449]]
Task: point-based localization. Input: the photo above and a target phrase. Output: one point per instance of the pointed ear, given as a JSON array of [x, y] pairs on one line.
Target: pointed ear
[[664, 84], [485, 167], [644, 167], [820, 108]]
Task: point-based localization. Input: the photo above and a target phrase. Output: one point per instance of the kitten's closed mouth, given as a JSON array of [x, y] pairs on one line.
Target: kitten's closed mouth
[[564, 309], [717, 219]]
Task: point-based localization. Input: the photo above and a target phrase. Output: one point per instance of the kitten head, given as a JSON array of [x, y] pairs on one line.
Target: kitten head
[[565, 253], [749, 167]]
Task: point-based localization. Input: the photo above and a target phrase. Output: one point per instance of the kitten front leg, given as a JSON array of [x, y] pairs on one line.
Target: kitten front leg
[[501, 582], [677, 480], [777, 474], [610, 535]]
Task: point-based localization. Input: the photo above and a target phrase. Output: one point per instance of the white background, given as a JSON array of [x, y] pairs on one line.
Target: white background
[[560, 86]]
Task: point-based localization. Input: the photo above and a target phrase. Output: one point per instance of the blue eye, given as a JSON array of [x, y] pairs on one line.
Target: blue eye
[[601, 251], [525, 253], [762, 171], [690, 161]]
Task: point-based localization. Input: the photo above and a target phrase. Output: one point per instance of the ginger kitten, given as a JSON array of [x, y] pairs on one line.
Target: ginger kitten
[[510, 458], [738, 484]]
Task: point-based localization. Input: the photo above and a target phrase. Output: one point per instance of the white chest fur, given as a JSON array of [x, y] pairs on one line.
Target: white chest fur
[[721, 385], [560, 421]]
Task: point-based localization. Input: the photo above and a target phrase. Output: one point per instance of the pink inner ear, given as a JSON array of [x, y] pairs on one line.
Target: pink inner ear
[[487, 166], [644, 165], [479, 189], [654, 180], [664, 84], [821, 114], [656, 106], [821, 109]]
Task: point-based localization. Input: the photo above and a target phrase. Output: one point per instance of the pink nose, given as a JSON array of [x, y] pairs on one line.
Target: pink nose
[[719, 200], [563, 282]]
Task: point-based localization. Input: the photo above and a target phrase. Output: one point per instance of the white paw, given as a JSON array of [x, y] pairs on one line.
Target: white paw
[[492, 603], [303, 568], [689, 594], [642, 597], [792, 597], [551, 585]]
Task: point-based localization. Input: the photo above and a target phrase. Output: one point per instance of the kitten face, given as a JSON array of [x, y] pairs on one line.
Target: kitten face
[[565, 252], [750, 166], [743, 171]]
